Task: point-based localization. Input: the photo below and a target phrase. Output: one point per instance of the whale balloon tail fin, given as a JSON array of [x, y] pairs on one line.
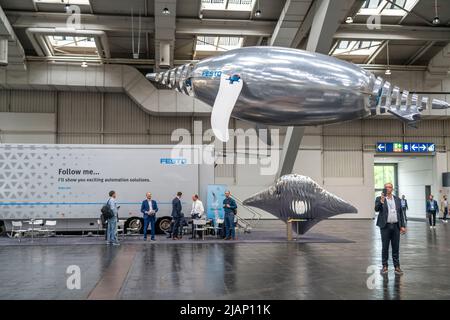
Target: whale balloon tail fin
[[402, 104]]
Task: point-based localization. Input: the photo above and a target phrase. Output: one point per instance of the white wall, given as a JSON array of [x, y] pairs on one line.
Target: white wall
[[413, 175]]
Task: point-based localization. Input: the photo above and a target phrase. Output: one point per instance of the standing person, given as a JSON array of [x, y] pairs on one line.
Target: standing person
[[196, 212], [149, 208], [392, 224], [444, 207], [404, 204], [176, 216], [229, 206], [112, 222], [432, 208]]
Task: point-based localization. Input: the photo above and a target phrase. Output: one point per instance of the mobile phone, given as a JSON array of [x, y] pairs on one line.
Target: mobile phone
[[384, 191]]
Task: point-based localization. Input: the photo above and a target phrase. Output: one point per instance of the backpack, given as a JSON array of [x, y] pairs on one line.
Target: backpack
[[107, 212]]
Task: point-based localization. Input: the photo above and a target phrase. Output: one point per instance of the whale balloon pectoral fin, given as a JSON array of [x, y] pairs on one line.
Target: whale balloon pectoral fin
[[229, 91]]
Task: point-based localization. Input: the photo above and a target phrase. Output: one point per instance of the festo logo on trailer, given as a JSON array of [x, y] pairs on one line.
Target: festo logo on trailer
[[173, 161]]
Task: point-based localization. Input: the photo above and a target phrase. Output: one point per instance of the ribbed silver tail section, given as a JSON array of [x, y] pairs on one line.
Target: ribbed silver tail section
[[402, 104], [178, 79]]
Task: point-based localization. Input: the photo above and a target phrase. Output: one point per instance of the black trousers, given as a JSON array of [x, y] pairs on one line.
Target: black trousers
[[390, 235], [404, 213], [445, 213], [176, 227], [432, 218]]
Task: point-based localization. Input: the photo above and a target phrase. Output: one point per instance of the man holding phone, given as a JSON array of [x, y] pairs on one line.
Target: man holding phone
[[392, 223]]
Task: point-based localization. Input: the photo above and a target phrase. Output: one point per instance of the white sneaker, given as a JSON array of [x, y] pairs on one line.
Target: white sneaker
[[431, 227], [434, 227]]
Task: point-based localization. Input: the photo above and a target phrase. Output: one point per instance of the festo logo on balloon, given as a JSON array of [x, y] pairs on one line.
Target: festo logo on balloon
[[211, 73]]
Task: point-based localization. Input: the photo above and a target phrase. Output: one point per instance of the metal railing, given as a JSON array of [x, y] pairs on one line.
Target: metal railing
[[249, 223]]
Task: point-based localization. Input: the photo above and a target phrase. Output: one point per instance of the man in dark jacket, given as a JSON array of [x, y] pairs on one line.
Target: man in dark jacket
[[392, 223], [404, 204], [432, 208], [176, 216]]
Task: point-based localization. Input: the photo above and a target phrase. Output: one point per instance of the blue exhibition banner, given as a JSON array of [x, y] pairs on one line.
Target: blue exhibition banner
[[405, 147], [216, 195]]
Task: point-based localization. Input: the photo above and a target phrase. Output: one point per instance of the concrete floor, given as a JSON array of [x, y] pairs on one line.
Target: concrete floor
[[340, 268]]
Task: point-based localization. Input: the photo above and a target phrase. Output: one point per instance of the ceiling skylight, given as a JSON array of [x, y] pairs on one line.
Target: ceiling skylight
[[234, 5], [65, 2], [69, 45], [355, 48], [386, 8], [214, 43]]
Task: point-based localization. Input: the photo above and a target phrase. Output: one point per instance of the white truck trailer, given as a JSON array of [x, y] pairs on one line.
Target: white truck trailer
[[70, 183]]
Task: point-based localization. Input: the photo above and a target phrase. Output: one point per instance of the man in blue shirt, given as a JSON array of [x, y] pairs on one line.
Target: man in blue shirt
[[149, 208], [112, 222], [229, 206]]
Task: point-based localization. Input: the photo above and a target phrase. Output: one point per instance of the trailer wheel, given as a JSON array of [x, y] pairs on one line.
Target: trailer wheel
[[134, 225], [2, 228], [163, 224]]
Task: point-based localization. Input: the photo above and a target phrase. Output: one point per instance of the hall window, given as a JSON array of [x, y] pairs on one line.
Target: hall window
[[383, 173]]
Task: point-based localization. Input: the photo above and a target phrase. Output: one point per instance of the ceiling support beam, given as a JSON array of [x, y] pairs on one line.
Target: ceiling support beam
[[120, 23], [291, 19], [380, 48], [327, 17], [358, 31], [164, 32], [416, 56]]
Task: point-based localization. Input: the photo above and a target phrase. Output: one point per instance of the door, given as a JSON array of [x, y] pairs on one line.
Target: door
[[427, 192]]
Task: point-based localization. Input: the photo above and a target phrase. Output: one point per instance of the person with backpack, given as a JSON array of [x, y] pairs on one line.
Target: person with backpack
[[112, 216]]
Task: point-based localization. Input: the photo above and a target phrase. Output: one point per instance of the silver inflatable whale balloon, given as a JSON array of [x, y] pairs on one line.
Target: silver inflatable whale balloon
[[295, 196], [288, 87]]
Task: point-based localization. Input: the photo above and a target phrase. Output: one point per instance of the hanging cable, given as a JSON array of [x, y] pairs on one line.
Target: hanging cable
[[132, 32], [139, 35]]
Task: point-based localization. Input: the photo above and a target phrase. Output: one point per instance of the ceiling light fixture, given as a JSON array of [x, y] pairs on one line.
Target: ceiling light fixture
[[258, 11], [166, 11], [349, 20], [388, 70], [436, 20], [84, 64]]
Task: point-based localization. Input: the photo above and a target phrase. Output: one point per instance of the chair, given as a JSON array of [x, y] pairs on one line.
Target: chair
[[36, 226], [121, 228], [17, 229], [218, 226], [100, 226], [49, 228], [199, 225]]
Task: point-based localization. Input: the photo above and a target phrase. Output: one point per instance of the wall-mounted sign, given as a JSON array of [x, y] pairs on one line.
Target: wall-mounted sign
[[407, 147]]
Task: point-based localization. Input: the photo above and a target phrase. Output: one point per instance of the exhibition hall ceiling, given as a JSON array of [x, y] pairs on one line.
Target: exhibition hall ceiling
[[200, 28]]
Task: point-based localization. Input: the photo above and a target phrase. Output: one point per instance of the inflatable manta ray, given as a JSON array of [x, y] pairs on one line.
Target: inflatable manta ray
[[289, 87], [299, 197]]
